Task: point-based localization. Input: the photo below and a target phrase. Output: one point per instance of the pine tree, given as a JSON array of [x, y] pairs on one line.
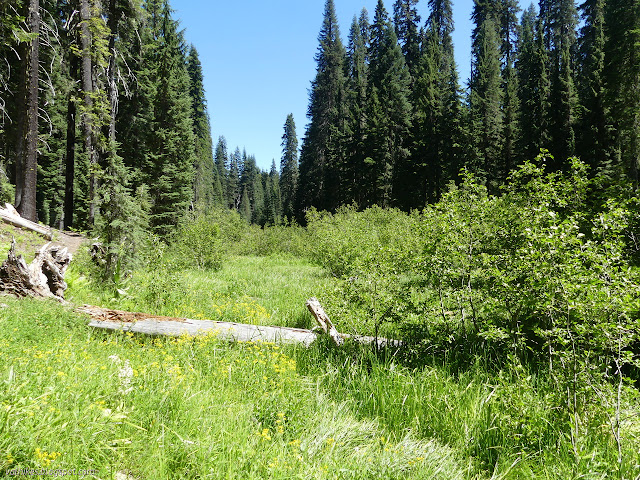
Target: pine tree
[[289, 167], [356, 108], [389, 110], [204, 164], [622, 71], [406, 21], [321, 154], [486, 97]]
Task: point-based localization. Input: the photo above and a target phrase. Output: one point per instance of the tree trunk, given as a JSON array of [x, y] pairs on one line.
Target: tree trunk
[[112, 24], [87, 87], [71, 149], [27, 161]]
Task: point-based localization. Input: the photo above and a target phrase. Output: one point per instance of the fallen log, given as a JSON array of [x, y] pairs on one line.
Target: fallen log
[[10, 215], [43, 277], [144, 323], [135, 322]]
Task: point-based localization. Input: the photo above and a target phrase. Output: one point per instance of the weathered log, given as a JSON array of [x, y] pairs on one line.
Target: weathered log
[[43, 277], [323, 320], [135, 322], [144, 323], [10, 215]]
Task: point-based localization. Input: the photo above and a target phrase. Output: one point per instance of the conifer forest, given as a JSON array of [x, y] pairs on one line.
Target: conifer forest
[[106, 98], [490, 226]]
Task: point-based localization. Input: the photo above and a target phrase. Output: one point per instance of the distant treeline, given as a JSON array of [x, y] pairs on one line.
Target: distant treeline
[[391, 126], [102, 105]]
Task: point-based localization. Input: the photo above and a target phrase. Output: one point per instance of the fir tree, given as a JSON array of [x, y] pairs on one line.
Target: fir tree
[[562, 17], [436, 98], [168, 168], [204, 164], [510, 105], [622, 72], [389, 110], [233, 180], [321, 154], [594, 144], [221, 160], [406, 21], [356, 100], [289, 167], [27, 138], [273, 200], [258, 196], [486, 95], [245, 206], [533, 86]]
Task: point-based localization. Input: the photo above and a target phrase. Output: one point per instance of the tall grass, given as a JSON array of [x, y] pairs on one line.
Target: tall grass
[[258, 290], [182, 408], [508, 424]]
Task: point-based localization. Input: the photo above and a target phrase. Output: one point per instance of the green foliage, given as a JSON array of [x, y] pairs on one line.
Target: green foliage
[[197, 243], [7, 190], [528, 278], [123, 223]]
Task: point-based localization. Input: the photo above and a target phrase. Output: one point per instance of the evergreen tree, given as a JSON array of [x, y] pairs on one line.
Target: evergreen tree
[[533, 86], [273, 200], [168, 167], [406, 21], [356, 108], [437, 130], [27, 138], [486, 96], [233, 180], [221, 160], [510, 105], [389, 112], [245, 206], [204, 165], [622, 73], [322, 147], [258, 206], [594, 144], [289, 167], [562, 17]]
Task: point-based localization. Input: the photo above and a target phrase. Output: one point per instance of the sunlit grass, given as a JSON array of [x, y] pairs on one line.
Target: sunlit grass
[[256, 290], [182, 408]]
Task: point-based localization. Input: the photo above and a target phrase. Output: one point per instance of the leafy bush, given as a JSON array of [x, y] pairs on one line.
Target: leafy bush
[[197, 243]]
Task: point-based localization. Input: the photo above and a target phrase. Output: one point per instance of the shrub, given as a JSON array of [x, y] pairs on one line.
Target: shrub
[[197, 243]]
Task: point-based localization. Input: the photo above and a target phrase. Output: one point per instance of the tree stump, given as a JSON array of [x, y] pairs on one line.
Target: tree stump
[[43, 277]]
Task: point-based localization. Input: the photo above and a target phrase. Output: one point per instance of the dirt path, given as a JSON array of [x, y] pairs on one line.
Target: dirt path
[[71, 240]]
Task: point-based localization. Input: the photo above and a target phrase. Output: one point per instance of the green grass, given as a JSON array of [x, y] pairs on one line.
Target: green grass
[[26, 242], [71, 398], [258, 290]]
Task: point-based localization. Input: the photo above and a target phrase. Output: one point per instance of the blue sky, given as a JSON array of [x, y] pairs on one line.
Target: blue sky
[[258, 61]]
